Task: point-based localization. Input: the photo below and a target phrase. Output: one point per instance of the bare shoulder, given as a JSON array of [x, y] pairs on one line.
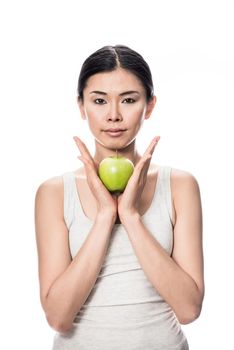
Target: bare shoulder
[[50, 194], [181, 179], [178, 174], [53, 183], [51, 187], [185, 192]]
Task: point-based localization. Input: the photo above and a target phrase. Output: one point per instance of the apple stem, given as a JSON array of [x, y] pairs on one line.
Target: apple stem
[[116, 153]]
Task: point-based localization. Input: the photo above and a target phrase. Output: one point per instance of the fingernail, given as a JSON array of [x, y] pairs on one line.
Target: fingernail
[[157, 138]]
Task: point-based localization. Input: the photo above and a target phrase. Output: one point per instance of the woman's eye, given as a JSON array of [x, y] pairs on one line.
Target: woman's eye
[[100, 101], [129, 100]]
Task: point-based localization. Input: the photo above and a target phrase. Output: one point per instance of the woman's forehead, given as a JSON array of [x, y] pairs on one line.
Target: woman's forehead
[[117, 81]]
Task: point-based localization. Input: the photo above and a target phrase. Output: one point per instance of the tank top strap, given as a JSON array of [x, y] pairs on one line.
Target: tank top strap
[[164, 189], [69, 197]]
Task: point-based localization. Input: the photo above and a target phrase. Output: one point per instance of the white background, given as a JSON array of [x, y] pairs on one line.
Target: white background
[[189, 47]]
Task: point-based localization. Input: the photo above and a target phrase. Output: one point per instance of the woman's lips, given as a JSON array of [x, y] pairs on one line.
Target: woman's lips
[[115, 132]]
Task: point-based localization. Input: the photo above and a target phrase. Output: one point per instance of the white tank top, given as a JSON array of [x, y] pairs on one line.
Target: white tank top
[[123, 310]]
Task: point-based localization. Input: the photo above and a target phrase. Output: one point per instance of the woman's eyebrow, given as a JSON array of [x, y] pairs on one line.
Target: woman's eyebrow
[[122, 93]]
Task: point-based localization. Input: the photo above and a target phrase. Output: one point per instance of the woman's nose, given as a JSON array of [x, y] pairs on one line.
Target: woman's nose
[[114, 113]]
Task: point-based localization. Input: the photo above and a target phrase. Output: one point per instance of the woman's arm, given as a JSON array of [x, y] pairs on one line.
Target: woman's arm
[[65, 283], [179, 278]]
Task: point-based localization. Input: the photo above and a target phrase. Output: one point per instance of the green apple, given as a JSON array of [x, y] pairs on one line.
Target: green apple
[[114, 172]]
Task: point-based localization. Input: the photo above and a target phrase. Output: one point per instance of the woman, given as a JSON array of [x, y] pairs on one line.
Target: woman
[[119, 271]]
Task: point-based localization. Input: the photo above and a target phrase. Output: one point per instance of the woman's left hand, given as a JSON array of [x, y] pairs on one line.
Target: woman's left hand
[[128, 200]]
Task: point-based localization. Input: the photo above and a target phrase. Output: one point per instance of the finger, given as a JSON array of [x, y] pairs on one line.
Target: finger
[[147, 164], [83, 160], [89, 169], [87, 163], [142, 162], [151, 147], [82, 147], [94, 182], [142, 167]]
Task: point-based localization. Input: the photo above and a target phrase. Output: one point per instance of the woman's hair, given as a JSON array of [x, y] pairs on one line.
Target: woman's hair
[[109, 58]]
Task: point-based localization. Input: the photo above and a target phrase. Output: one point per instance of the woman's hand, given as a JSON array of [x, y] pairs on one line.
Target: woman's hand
[[105, 201], [129, 199]]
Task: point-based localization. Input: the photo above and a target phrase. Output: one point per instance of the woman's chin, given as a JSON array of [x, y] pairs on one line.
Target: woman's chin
[[114, 143]]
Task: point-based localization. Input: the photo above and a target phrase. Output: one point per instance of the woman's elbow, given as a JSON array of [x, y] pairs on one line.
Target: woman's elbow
[[56, 320], [58, 325], [190, 315]]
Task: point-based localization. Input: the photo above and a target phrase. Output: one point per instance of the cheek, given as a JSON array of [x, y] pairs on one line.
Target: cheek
[[92, 116], [133, 115], [95, 114]]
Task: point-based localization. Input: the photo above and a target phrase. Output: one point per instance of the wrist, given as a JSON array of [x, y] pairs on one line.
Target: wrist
[[128, 218], [106, 216]]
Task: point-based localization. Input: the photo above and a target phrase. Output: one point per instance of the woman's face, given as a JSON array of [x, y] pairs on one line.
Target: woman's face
[[115, 101]]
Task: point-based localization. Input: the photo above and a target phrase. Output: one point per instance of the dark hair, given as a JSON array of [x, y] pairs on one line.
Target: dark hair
[[109, 58]]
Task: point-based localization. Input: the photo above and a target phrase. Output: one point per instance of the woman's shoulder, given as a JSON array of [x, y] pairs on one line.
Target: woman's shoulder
[[183, 183], [181, 180], [177, 175], [52, 182], [52, 186], [56, 183], [50, 196], [180, 176]]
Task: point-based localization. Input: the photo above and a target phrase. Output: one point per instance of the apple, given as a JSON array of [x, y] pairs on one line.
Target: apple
[[114, 172]]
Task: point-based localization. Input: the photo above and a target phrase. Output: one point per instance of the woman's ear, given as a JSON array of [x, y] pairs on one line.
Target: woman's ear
[[150, 107], [81, 107]]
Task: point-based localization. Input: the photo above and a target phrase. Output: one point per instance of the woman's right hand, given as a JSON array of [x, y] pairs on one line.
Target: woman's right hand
[[106, 202]]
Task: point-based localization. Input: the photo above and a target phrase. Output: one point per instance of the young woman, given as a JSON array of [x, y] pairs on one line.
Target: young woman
[[119, 271]]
